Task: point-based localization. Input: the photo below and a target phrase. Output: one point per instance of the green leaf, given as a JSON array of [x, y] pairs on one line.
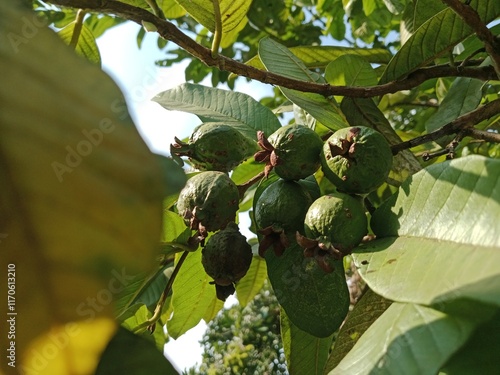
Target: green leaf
[[366, 311], [192, 296], [133, 355], [252, 282], [402, 337], [350, 70], [438, 238], [216, 105], [435, 37], [171, 9], [325, 110], [315, 301], [480, 354], [232, 12], [463, 96], [278, 59], [99, 24], [305, 354], [145, 289], [86, 45], [175, 234]]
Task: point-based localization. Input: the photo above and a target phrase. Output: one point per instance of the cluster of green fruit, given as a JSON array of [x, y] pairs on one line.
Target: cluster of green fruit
[[356, 160]]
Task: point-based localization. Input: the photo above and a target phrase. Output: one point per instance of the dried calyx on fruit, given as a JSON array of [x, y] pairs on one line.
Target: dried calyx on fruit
[[279, 213], [334, 225], [226, 258], [207, 203], [215, 147], [356, 160], [292, 150]]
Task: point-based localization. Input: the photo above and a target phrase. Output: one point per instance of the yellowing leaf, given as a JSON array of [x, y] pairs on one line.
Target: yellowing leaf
[[81, 202], [79, 344]]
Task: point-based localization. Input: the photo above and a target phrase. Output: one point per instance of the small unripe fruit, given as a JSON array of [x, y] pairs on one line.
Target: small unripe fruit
[[337, 219], [210, 199], [215, 147], [356, 160], [292, 150], [279, 212], [226, 258]]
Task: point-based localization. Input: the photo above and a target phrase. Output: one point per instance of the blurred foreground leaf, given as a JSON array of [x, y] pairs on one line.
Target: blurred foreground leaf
[[81, 203]]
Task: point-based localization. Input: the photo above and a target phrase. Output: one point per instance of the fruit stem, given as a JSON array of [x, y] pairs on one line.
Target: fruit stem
[[244, 187], [150, 323], [218, 30], [80, 15]]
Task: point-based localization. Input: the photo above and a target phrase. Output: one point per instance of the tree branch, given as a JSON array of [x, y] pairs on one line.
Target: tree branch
[[471, 18], [463, 123], [169, 31]]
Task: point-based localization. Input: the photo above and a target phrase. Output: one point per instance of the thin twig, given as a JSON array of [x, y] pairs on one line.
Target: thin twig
[[169, 31], [484, 135], [465, 121], [159, 306]]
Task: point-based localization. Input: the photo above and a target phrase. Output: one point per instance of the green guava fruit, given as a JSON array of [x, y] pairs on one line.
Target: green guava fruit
[[208, 202], [292, 150], [356, 160], [279, 213], [215, 147], [334, 224], [226, 258]]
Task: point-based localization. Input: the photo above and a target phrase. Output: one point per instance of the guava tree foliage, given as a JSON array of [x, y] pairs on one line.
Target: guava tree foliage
[[418, 79]]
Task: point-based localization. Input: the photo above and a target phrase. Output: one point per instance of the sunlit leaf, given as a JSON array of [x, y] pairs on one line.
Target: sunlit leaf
[[171, 9], [350, 70], [192, 297], [438, 240], [231, 12], [399, 340], [216, 105]]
